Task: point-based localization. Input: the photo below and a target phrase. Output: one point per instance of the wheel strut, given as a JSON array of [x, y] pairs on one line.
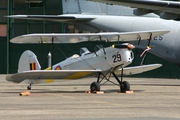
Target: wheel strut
[[124, 85], [29, 87]]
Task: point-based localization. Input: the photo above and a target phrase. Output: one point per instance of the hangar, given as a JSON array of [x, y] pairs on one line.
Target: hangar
[[10, 28]]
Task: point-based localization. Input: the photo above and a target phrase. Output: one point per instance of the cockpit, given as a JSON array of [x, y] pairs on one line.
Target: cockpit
[[84, 51], [98, 50]]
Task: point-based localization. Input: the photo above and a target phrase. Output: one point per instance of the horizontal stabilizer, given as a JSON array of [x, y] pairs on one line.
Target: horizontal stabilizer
[[138, 69], [82, 37], [50, 74]]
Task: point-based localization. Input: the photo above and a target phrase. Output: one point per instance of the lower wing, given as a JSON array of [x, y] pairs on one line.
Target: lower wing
[[137, 69], [50, 74], [73, 74]]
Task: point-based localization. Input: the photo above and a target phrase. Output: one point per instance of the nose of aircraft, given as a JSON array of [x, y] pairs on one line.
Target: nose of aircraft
[[131, 46]]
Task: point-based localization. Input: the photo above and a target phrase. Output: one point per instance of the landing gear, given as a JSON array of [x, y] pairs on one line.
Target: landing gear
[[29, 87], [124, 85], [95, 87]]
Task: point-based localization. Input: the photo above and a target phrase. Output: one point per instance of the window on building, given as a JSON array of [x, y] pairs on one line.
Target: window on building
[[3, 30], [35, 3]]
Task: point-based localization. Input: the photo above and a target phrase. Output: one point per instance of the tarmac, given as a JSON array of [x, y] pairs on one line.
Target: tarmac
[[152, 99]]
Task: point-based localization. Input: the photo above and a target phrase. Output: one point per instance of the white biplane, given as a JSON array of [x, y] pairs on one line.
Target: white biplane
[[102, 63]]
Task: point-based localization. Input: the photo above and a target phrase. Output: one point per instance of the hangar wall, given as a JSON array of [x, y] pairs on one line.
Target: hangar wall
[[3, 35], [10, 28], [20, 27]]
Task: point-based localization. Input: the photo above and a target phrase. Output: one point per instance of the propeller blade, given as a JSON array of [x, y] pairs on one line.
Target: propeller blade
[[143, 47], [147, 49], [130, 46]]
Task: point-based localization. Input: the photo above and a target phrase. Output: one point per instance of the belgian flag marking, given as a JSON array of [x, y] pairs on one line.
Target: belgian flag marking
[[58, 68], [32, 66]]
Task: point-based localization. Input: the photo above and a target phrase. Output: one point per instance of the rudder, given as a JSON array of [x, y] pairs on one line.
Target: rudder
[[28, 61]]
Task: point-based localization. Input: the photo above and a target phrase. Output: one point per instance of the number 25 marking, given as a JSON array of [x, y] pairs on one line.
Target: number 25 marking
[[117, 58], [160, 38]]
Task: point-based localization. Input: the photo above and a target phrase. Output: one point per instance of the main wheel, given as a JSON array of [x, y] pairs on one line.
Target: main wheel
[[125, 86], [95, 87]]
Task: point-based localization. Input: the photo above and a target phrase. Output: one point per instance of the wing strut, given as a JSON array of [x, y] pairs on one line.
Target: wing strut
[[102, 45], [52, 49], [118, 39], [149, 41], [41, 44], [139, 40]]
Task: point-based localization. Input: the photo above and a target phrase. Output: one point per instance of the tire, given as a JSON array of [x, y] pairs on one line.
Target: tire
[[125, 86], [95, 87], [28, 87]]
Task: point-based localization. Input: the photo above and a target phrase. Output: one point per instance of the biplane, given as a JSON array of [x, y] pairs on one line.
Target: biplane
[[103, 62]]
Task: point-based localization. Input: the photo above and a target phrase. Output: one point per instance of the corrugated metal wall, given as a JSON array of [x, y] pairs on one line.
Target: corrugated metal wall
[[20, 27], [3, 35]]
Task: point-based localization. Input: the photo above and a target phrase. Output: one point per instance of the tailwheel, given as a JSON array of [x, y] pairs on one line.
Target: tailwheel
[[95, 87], [125, 86], [28, 87]]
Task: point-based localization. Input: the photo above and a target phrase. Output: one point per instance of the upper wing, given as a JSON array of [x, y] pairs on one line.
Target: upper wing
[[50, 74], [166, 9], [80, 37], [138, 69]]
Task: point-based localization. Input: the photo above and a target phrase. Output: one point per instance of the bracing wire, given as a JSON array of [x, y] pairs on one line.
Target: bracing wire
[[84, 61]]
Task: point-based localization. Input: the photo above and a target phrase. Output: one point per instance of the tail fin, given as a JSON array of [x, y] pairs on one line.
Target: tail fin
[[82, 7], [28, 61]]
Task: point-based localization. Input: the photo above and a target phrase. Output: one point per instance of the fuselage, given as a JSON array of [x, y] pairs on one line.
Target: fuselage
[[166, 46], [104, 59]]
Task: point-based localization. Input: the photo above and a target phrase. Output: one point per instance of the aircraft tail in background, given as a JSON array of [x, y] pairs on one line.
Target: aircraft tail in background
[[28, 61], [94, 8]]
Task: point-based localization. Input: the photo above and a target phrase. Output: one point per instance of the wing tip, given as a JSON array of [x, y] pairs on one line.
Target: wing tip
[[10, 79]]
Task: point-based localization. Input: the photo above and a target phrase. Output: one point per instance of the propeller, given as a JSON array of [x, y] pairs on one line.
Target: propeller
[[131, 46]]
